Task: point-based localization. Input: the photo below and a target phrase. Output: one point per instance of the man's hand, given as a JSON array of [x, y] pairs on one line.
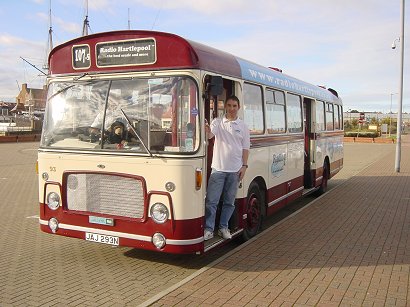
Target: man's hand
[[242, 171], [208, 132]]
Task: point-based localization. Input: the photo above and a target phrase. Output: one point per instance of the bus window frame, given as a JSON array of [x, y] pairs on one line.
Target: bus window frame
[[114, 77], [287, 94], [262, 109], [329, 113], [323, 123], [274, 91]]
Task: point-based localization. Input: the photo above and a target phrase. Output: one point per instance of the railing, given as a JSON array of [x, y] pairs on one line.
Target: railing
[[15, 128]]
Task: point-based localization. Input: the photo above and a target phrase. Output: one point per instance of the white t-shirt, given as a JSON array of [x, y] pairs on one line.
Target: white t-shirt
[[231, 138]]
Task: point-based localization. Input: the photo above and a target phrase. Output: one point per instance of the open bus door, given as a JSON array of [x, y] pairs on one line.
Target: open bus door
[[307, 116], [216, 91]]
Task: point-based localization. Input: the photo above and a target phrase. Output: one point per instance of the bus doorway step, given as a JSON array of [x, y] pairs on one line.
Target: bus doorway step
[[308, 191], [217, 240]]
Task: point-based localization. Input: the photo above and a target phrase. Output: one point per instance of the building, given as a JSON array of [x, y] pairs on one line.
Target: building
[[30, 99], [6, 107]]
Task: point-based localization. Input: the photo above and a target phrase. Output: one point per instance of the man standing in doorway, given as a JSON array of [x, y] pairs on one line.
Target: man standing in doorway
[[229, 164]]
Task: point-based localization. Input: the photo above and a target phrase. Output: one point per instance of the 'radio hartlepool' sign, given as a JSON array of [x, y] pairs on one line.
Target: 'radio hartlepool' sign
[[124, 53]]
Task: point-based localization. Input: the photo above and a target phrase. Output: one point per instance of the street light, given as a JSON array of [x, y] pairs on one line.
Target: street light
[[393, 45], [399, 113]]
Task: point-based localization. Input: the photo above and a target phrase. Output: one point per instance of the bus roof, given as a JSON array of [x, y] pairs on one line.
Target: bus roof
[[135, 50]]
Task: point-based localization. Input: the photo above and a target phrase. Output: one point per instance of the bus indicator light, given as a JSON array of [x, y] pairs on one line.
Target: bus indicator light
[[198, 179]]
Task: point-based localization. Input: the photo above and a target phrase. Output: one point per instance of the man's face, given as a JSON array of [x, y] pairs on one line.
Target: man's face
[[231, 109]]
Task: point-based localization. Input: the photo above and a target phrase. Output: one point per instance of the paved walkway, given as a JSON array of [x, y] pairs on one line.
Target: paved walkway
[[350, 247]]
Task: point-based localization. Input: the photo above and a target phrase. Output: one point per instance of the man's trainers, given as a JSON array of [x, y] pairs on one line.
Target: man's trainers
[[208, 234], [225, 233]]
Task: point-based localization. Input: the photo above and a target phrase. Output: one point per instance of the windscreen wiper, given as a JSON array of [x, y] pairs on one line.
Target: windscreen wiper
[[135, 132]]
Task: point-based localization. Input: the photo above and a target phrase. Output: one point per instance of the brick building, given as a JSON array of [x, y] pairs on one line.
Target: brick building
[[31, 99]]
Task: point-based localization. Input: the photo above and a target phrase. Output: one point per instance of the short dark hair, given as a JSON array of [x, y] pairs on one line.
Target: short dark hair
[[234, 98]]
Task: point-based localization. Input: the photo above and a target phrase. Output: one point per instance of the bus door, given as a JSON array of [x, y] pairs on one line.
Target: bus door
[[217, 89], [307, 119]]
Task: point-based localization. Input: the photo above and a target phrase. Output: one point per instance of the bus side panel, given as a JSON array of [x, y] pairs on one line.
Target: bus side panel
[[295, 167], [327, 146]]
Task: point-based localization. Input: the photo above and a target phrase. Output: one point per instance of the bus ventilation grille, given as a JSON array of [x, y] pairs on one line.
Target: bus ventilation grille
[[105, 194]]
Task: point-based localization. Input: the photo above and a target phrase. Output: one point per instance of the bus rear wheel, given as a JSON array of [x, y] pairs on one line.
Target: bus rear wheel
[[253, 211]]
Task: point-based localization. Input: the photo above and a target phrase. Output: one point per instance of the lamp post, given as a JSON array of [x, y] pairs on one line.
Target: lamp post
[[399, 113]]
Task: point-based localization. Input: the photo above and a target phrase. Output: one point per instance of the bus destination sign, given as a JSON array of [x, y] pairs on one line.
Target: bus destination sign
[[125, 53], [81, 56]]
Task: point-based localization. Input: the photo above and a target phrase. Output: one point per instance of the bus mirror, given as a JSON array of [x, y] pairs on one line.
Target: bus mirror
[[216, 86]]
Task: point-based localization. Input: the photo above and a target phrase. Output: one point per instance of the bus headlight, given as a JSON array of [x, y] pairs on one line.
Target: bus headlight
[[44, 176], [53, 224], [159, 213], [53, 200], [158, 240]]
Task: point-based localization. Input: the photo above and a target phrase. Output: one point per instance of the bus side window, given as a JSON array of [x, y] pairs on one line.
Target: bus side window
[[294, 113], [253, 108], [320, 116], [275, 112], [330, 125]]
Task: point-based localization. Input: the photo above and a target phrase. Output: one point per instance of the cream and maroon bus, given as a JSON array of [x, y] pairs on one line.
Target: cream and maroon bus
[[145, 187]]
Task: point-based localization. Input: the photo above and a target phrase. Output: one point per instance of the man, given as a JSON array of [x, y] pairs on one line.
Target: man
[[229, 164]]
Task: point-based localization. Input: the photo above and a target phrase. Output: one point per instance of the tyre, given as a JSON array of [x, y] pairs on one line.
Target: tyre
[[254, 211]]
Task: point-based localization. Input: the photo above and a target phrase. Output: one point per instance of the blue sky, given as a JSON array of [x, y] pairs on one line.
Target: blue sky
[[344, 44]]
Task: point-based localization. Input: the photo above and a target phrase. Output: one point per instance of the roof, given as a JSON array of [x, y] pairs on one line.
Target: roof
[[169, 51]]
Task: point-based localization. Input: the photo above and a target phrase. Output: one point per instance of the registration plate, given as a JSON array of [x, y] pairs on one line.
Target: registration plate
[[95, 237]]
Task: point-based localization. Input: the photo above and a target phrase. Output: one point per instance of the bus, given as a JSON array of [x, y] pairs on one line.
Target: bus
[[141, 182]]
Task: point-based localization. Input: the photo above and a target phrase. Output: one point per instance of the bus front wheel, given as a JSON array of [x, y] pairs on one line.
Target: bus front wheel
[[253, 211]]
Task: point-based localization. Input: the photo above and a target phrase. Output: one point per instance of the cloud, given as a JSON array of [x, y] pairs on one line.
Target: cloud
[[341, 44], [14, 69]]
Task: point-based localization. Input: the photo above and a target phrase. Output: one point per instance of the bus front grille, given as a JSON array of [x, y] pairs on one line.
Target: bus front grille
[[105, 194]]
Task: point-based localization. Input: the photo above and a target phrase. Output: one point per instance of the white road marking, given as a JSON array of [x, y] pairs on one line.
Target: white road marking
[[33, 217]]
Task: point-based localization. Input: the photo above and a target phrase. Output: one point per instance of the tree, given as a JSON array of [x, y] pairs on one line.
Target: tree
[[355, 122], [374, 121]]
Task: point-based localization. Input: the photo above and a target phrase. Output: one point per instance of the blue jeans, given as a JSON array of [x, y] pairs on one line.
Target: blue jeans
[[220, 183]]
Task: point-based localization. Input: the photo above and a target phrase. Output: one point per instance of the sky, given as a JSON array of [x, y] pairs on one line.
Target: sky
[[345, 44]]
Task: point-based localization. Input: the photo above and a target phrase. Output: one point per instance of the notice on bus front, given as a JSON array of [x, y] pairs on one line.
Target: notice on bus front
[[125, 53]]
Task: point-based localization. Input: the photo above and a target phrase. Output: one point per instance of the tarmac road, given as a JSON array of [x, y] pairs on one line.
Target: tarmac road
[[38, 269]]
